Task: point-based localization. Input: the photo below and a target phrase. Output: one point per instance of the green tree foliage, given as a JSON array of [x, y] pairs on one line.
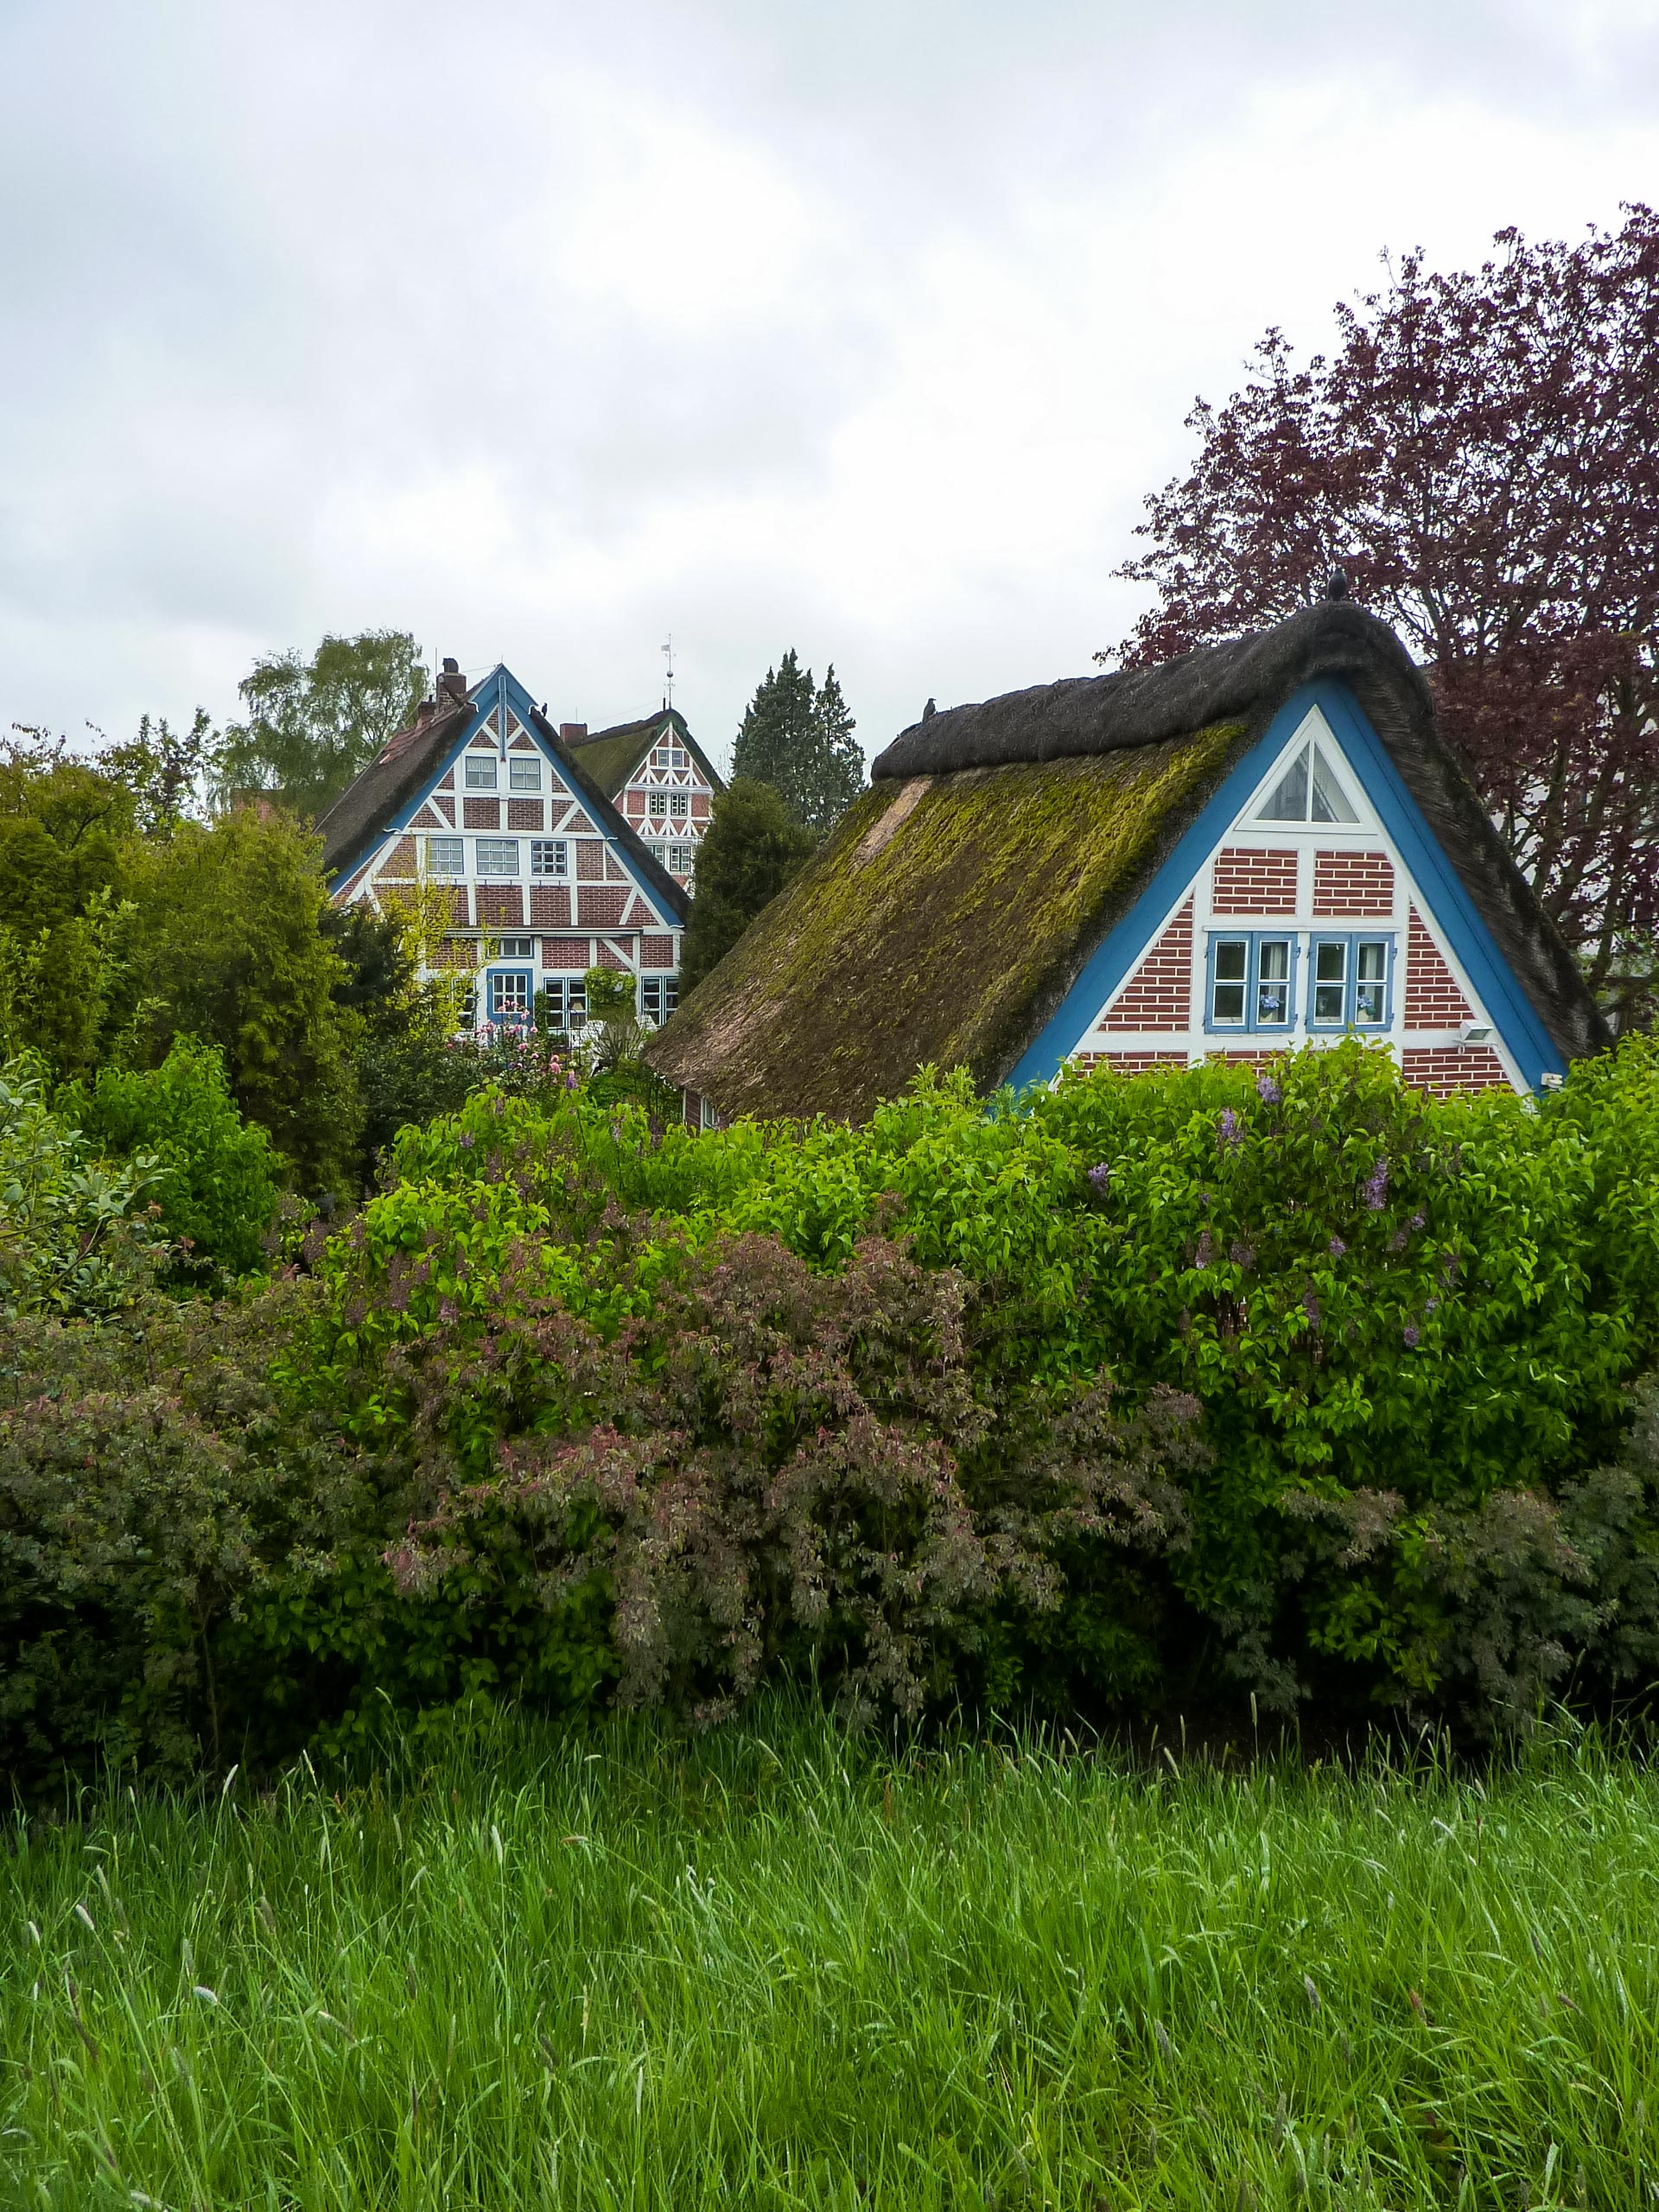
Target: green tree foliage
[[66, 829], [166, 771], [228, 947], [313, 725], [752, 846], [800, 740], [212, 1174], [76, 1236]]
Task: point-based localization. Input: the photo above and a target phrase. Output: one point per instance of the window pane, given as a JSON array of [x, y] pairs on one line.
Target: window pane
[[547, 856], [515, 948], [1370, 996], [498, 857], [480, 772], [1329, 980], [1330, 800], [524, 772], [1289, 801], [1272, 983], [679, 803], [509, 995], [1227, 998], [445, 857]]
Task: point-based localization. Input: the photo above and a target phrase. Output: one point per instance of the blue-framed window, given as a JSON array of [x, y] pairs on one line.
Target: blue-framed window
[[513, 993], [1251, 982], [1350, 981], [658, 996], [564, 1003]]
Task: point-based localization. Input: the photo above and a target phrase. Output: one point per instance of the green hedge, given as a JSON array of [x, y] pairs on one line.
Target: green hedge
[[1133, 1397]]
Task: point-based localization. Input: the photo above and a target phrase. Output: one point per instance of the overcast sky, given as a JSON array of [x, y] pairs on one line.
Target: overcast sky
[[544, 330]]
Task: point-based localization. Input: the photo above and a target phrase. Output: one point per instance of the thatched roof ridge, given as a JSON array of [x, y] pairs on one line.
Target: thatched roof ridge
[[1142, 706]]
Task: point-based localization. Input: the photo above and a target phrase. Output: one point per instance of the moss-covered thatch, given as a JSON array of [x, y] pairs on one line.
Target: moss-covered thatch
[[943, 922], [958, 902]]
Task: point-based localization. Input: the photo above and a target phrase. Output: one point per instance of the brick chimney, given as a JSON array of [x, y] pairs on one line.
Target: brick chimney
[[572, 733], [452, 685]]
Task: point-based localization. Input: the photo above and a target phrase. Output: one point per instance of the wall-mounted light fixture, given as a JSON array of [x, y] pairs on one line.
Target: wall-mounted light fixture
[[1474, 1032]]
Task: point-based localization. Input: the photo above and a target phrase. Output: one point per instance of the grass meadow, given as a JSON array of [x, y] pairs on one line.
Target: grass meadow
[[773, 1966]]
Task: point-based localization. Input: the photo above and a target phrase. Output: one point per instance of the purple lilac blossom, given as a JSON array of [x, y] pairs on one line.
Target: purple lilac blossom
[[1374, 1193], [1231, 1135], [1410, 1332], [1337, 1247], [1100, 1178], [1267, 1089]]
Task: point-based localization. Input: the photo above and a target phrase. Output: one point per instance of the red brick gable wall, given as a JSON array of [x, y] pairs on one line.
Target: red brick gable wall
[[1159, 996], [1443, 1069], [1353, 883], [1432, 999], [1248, 882], [1129, 1063]]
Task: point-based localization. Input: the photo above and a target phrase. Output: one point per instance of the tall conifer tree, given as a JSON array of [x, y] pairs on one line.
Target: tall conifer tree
[[800, 740]]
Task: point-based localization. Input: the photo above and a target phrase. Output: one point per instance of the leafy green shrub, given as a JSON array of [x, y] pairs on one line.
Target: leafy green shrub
[[1402, 1320], [190, 1564], [213, 1175], [768, 1465], [76, 1236]]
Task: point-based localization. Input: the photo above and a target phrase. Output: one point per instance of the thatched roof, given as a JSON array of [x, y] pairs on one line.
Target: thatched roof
[[610, 756], [409, 760], [958, 900]]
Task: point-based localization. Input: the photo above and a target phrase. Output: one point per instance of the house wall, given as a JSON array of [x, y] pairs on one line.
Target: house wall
[[536, 890], [1308, 896], [666, 802]]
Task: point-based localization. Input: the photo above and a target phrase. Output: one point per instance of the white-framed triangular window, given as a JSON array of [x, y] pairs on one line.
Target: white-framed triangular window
[[1311, 784]]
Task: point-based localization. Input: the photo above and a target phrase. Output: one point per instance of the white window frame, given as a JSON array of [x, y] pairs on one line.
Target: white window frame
[[491, 870], [482, 773]]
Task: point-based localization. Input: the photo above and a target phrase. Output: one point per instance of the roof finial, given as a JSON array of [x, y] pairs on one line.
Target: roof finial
[[1336, 584], [668, 681]]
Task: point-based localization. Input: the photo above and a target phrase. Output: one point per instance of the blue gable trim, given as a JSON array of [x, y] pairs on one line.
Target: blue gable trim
[[501, 687], [1438, 888]]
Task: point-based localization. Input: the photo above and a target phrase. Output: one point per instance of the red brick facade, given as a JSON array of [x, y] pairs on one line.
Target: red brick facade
[[1128, 1062], [500, 905], [568, 954], [1432, 999], [1353, 883], [601, 905], [1159, 996], [656, 952], [550, 906], [481, 813], [590, 863], [400, 863], [525, 814], [1246, 883], [1443, 1069]]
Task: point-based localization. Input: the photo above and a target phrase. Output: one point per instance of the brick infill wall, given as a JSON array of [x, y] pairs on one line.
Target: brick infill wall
[[1159, 996]]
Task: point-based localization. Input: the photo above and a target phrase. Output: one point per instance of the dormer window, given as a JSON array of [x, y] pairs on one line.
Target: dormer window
[[1308, 791]]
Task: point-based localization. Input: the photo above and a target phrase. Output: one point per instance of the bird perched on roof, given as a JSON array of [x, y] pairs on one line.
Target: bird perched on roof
[[1336, 584], [930, 709]]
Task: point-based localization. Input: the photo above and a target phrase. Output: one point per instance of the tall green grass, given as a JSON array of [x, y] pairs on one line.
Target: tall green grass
[[772, 1968]]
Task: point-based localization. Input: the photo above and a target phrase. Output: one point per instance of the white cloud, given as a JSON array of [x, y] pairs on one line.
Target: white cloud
[[544, 331]]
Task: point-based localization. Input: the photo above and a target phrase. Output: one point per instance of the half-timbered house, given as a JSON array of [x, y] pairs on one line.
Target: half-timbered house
[[658, 779], [1259, 846], [542, 877]]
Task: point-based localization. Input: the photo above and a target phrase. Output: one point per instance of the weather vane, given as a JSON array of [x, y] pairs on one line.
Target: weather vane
[[668, 657]]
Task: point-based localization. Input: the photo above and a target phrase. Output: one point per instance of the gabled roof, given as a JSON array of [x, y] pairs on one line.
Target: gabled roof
[[412, 759], [958, 901], [405, 764], [610, 756]]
